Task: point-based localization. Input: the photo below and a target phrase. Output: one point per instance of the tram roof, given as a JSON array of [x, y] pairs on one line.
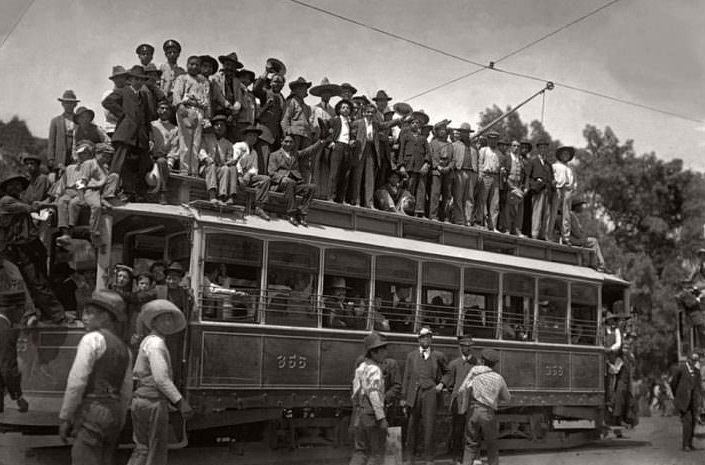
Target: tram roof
[[362, 239]]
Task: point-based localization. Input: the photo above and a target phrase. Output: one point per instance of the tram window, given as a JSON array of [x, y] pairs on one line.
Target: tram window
[[346, 289], [553, 310], [395, 294], [231, 281], [480, 303], [518, 308], [439, 308], [292, 283], [583, 317]]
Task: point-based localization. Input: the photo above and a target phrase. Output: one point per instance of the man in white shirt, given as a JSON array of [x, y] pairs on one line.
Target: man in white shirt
[[565, 185], [99, 384], [489, 164]]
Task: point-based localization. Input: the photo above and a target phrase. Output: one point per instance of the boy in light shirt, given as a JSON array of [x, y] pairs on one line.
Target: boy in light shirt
[[565, 185]]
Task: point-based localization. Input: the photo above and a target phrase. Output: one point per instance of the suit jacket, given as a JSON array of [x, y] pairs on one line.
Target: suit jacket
[[458, 369], [297, 118], [410, 384], [461, 152], [283, 166], [686, 389], [539, 176], [359, 128], [414, 151], [56, 150], [271, 111], [335, 125], [130, 108]]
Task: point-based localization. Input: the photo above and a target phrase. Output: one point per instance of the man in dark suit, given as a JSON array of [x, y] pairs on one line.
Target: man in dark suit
[[340, 153], [131, 137], [539, 181], [421, 386], [687, 397], [267, 89], [285, 175], [458, 369], [367, 153]]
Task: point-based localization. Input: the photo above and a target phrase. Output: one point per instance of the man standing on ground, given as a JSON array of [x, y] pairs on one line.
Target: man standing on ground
[[99, 385], [458, 370], [369, 420], [421, 386], [483, 389], [688, 394]]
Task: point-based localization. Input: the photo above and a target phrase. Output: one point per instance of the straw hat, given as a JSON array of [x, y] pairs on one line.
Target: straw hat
[[154, 308]]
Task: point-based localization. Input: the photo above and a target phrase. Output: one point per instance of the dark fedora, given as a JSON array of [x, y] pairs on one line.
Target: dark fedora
[[152, 68], [137, 71], [68, 96], [300, 82], [82, 110], [144, 48], [210, 59], [526, 143], [340, 104], [118, 71], [345, 85], [421, 117], [175, 267], [31, 157], [252, 129], [171, 43], [374, 341], [565, 149], [382, 95], [219, 117], [325, 88], [231, 57], [111, 302], [246, 72], [11, 177], [361, 100], [465, 127]]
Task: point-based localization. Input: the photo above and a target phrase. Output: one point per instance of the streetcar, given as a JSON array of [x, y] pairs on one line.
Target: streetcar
[[274, 362]]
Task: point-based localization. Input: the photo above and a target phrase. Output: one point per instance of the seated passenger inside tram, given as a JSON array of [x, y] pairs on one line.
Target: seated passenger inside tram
[[218, 300], [343, 311], [397, 306], [291, 298], [441, 317]]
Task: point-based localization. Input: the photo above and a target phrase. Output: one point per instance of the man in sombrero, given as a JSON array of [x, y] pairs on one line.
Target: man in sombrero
[[20, 244], [155, 391], [323, 113]]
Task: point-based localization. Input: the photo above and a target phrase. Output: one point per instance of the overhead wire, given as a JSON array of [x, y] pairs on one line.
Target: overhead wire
[[492, 66], [17, 22]]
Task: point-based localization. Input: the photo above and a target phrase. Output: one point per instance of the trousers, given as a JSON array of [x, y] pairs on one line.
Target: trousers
[[96, 432], [339, 169], [688, 422], [561, 201], [90, 199], [441, 192], [150, 431], [363, 177], [489, 198], [291, 189], [481, 426], [464, 196], [62, 207], [513, 213], [368, 440], [31, 258], [417, 188], [260, 183], [539, 202], [189, 120], [424, 410]]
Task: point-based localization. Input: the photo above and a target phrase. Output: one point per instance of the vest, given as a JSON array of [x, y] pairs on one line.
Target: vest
[[109, 370], [426, 374]]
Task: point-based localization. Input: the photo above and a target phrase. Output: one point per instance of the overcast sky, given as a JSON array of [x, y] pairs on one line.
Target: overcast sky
[[648, 51]]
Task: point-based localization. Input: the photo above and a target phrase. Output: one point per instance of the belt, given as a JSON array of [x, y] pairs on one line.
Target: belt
[[467, 169], [481, 405], [485, 173]]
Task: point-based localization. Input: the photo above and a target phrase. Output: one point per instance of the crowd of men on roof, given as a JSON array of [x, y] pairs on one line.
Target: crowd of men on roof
[[218, 121]]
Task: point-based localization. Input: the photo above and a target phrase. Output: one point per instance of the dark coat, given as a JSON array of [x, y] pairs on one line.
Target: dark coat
[[458, 369], [335, 125], [130, 108], [359, 129], [271, 111], [282, 166], [539, 176], [686, 389], [410, 385], [414, 151]]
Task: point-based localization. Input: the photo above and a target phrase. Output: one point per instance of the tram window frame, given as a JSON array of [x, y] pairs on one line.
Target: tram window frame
[[478, 287], [346, 312], [444, 290], [520, 326], [223, 308], [582, 303], [391, 285], [552, 324], [306, 313]]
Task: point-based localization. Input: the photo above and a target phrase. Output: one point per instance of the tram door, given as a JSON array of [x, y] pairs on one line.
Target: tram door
[[166, 242]]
